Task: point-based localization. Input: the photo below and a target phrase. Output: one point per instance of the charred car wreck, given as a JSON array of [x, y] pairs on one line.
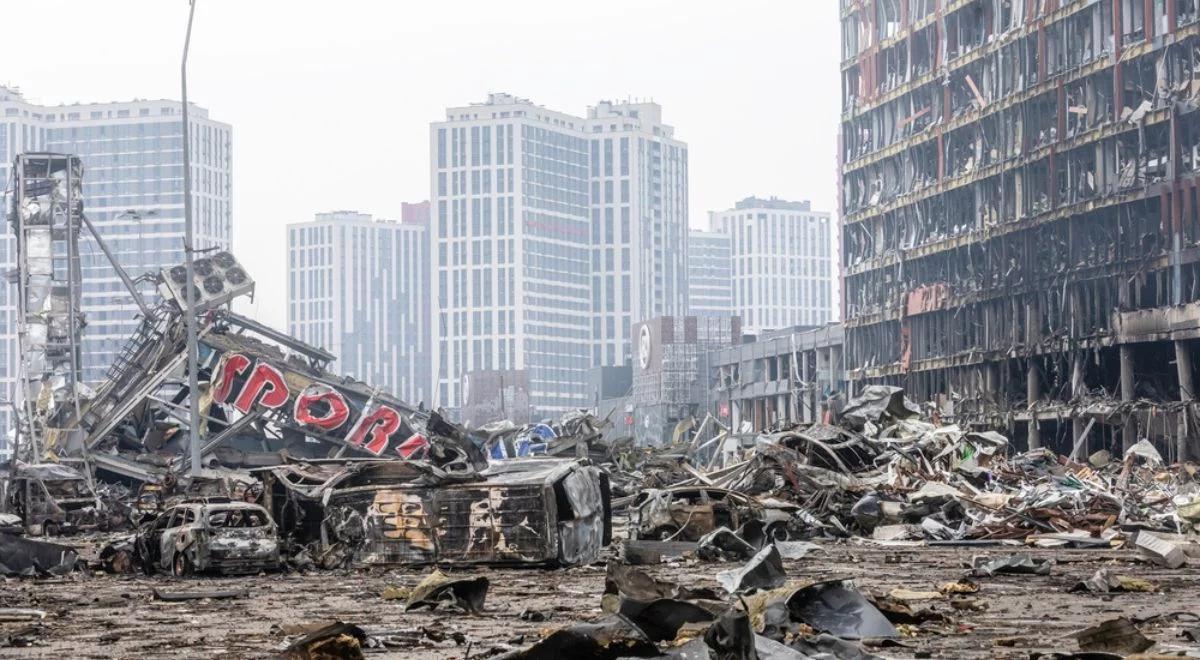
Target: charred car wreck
[[213, 534], [546, 511]]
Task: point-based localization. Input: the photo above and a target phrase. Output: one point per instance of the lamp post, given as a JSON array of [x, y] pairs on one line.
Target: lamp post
[[193, 360]]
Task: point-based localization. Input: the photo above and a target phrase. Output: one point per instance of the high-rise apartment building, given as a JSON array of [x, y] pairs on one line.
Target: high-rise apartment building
[[552, 234], [1020, 218], [639, 190], [359, 288], [710, 274], [784, 263], [511, 231], [133, 193]]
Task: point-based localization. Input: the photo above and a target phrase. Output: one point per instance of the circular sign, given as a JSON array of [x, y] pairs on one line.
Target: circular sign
[[644, 347]]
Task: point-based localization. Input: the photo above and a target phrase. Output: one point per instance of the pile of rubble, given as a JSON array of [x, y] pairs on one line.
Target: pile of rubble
[[884, 473], [334, 471]]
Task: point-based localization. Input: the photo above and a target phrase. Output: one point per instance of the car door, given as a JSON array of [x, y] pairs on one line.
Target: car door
[[150, 538], [166, 538]]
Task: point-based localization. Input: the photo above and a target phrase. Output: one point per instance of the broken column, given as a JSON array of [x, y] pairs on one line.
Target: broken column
[[1077, 390], [1183, 365], [1129, 429], [1032, 393]]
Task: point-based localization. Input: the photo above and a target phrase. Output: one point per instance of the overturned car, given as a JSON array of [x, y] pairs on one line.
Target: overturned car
[[208, 535], [543, 511]]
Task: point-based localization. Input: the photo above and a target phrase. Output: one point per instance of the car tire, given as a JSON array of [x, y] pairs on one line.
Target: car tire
[[666, 533], [49, 529], [181, 565]]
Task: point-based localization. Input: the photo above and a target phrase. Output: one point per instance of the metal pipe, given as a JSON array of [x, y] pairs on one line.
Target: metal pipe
[[193, 360], [1128, 389], [112, 259], [1033, 392], [74, 284]]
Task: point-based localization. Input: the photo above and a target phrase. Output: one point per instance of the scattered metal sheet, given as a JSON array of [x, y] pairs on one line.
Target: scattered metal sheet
[[731, 637], [837, 608], [1018, 564], [26, 557], [612, 637], [723, 545], [662, 619], [336, 641], [439, 590], [1113, 636], [1104, 581], [763, 571]]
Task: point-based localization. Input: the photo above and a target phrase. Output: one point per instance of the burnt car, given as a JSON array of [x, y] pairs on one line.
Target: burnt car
[[686, 513], [53, 498], [543, 511], [210, 535]]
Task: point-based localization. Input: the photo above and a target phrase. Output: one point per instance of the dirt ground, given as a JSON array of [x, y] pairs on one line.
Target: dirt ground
[[105, 616]]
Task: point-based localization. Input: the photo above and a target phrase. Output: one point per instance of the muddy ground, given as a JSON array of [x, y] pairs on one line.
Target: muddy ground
[[105, 616]]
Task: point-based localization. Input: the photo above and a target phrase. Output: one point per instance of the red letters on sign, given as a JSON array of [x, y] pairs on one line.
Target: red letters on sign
[[318, 406], [316, 393], [231, 367], [379, 424], [265, 386]]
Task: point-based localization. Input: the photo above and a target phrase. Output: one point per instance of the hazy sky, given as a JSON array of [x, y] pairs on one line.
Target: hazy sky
[[330, 102]]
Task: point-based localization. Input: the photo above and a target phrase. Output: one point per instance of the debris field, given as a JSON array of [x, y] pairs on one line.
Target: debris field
[[102, 616], [291, 512]]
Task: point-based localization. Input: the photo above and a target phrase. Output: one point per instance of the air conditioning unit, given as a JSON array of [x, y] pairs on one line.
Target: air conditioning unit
[[216, 280]]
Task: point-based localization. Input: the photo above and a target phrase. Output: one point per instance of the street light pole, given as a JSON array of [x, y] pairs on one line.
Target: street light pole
[[193, 360]]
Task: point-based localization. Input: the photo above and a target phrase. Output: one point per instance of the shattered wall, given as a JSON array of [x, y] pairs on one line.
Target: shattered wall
[[1015, 177]]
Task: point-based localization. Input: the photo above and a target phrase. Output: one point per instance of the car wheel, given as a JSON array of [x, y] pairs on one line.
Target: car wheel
[[181, 566], [50, 529], [667, 533], [779, 532]]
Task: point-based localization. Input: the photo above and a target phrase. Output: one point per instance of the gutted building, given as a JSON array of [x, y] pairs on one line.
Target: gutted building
[[1020, 213], [790, 375]]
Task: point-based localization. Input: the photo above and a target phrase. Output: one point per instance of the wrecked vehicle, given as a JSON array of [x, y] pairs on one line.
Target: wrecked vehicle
[[52, 498], [541, 511], [687, 513], [214, 534]]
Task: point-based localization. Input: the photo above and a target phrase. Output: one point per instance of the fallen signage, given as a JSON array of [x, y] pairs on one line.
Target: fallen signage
[[347, 414]]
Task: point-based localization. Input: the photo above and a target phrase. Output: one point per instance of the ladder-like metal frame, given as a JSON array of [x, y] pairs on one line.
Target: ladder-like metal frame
[[62, 227]]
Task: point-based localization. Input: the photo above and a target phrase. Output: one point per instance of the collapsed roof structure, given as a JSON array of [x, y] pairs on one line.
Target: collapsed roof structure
[[267, 400]]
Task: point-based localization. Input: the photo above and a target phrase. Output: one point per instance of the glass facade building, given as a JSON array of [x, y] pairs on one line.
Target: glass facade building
[[510, 231], [553, 235], [710, 274], [133, 186], [358, 288], [639, 223], [784, 263]]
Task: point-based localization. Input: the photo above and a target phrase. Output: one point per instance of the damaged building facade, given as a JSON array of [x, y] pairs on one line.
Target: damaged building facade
[[1020, 213], [787, 376]]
